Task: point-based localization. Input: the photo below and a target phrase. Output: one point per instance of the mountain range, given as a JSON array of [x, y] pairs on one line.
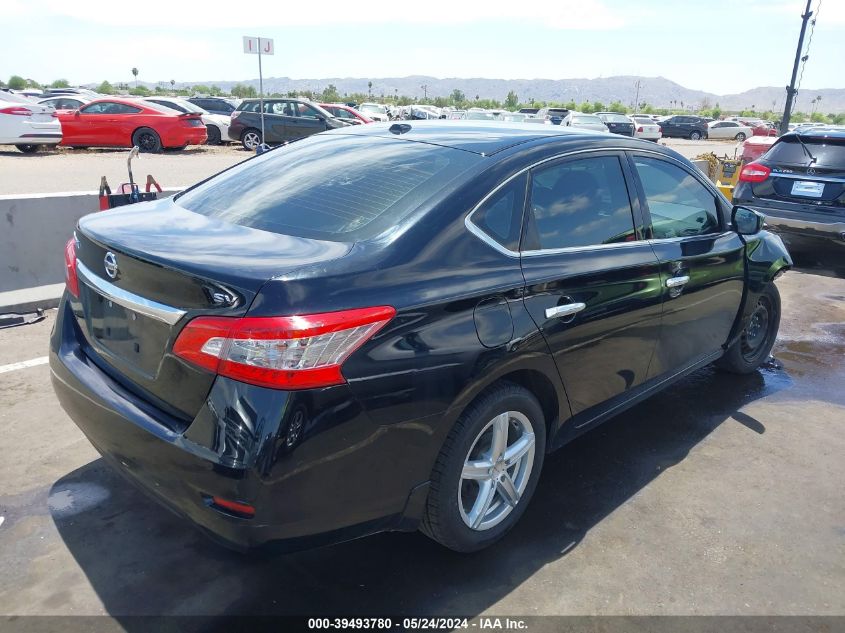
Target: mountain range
[[656, 91]]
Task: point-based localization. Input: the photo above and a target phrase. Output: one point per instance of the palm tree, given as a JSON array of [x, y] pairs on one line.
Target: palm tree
[[135, 73], [370, 89], [172, 84]]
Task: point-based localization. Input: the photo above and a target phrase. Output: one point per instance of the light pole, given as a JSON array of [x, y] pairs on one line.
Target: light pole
[[790, 89], [425, 91]]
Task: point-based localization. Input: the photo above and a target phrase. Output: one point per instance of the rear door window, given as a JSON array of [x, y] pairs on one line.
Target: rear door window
[[334, 187], [580, 202]]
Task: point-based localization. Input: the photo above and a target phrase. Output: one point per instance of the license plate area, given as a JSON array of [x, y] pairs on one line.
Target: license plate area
[[807, 189], [124, 337]]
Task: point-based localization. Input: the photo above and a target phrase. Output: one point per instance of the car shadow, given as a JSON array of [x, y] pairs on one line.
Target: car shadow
[[142, 561], [827, 260]]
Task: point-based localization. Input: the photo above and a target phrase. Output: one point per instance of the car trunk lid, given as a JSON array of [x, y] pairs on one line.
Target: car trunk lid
[[146, 270]]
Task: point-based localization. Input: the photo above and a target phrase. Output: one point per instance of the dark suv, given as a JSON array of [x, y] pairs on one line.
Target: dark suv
[[215, 105], [684, 126], [799, 184], [285, 120]]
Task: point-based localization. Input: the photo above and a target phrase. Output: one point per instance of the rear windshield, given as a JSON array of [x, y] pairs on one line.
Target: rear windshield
[[827, 152], [333, 187], [615, 118]]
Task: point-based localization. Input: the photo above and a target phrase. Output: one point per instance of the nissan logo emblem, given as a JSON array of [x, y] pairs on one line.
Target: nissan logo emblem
[[110, 261]]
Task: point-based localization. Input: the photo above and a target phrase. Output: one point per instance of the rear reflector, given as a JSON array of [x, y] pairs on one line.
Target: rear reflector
[[754, 172], [241, 509], [290, 352], [71, 278]]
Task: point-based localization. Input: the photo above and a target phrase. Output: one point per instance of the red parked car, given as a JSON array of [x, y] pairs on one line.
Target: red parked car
[[114, 122], [345, 113]]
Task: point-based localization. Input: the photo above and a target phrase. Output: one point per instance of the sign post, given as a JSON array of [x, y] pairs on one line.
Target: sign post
[[259, 46]]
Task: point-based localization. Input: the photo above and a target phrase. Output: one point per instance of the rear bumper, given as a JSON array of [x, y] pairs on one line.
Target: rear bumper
[[188, 136], [316, 482], [805, 224]]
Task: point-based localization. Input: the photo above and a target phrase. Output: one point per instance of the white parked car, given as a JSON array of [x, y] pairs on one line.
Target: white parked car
[[646, 128], [217, 125], [376, 111], [26, 124], [584, 122], [66, 102], [728, 130]]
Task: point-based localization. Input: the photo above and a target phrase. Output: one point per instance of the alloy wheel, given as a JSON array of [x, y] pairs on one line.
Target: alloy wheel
[[251, 140], [496, 470]]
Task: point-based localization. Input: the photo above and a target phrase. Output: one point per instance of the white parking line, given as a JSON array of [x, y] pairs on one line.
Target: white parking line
[[24, 364]]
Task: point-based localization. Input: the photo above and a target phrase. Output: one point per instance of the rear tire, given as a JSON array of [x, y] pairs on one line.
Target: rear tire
[[147, 140], [28, 149], [487, 469], [695, 135], [251, 139], [740, 137], [754, 345], [213, 135]]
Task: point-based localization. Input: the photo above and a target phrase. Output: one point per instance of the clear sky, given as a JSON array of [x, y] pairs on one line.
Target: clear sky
[[722, 46]]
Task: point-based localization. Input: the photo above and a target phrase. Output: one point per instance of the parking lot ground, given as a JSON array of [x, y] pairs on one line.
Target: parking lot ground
[[67, 169], [720, 495]]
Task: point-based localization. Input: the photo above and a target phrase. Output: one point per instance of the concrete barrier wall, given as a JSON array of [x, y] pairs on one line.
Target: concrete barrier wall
[[34, 231]]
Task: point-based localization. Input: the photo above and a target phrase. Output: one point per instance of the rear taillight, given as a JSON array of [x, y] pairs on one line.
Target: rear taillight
[[754, 172], [290, 352], [71, 278], [16, 110], [235, 114], [640, 129]]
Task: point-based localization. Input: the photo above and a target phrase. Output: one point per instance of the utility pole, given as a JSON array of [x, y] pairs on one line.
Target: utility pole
[[790, 89], [425, 91], [637, 98]]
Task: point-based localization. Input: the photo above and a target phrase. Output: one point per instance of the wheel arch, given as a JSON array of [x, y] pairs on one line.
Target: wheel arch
[[540, 379]]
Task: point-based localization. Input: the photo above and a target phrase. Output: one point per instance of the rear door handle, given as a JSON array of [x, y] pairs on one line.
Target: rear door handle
[[567, 309], [677, 282]]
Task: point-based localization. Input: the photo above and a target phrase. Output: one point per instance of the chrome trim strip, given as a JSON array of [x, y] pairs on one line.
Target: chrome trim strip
[[153, 309], [484, 237], [565, 310], [808, 177]]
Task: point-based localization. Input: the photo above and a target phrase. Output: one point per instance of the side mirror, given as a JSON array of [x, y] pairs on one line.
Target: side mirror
[[747, 221], [76, 113]]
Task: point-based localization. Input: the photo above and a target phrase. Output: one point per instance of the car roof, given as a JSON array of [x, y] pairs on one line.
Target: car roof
[[823, 132], [480, 137]]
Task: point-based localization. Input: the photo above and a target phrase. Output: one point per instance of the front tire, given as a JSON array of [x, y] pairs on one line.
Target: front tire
[[147, 140], [487, 470], [754, 345], [251, 139]]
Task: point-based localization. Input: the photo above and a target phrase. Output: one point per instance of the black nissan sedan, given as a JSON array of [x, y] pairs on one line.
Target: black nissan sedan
[[387, 327]]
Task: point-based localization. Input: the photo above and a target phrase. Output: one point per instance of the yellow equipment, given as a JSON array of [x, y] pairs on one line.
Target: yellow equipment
[[722, 171]]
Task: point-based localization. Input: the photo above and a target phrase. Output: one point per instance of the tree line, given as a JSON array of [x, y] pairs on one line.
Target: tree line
[[457, 99]]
